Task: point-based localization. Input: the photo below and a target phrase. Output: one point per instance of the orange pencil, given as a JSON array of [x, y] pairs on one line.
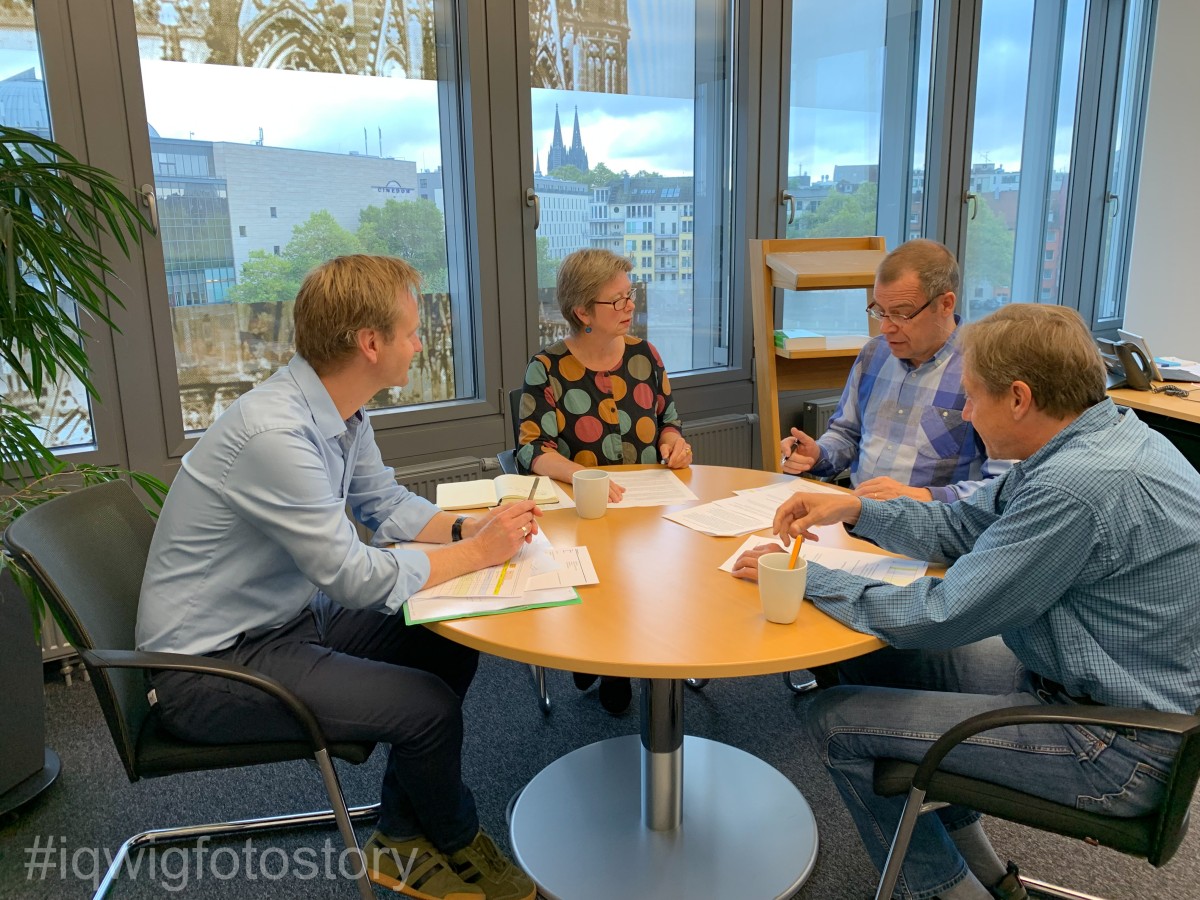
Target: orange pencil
[[795, 551]]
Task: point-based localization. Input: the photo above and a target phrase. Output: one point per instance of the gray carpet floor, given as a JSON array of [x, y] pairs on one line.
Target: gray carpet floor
[[93, 808]]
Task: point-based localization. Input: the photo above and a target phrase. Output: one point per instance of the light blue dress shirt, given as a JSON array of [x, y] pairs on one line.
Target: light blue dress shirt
[[905, 422], [255, 522], [1085, 558]]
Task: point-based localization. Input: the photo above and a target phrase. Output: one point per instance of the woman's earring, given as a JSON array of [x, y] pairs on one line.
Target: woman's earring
[[588, 330]]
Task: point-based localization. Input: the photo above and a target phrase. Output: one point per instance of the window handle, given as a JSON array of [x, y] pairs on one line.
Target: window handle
[[972, 200], [1115, 200], [788, 199], [150, 201], [532, 199]]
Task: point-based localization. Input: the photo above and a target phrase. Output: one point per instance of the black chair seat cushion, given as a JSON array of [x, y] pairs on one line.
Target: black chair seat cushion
[[161, 753], [1129, 835]]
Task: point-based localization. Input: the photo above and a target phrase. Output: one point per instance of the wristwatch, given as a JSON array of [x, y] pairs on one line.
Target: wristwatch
[[456, 529]]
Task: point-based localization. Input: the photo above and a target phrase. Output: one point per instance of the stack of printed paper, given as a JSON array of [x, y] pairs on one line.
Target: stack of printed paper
[[539, 575]]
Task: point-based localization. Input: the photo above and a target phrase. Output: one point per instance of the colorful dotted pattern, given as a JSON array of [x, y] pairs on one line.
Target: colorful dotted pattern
[[595, 418]]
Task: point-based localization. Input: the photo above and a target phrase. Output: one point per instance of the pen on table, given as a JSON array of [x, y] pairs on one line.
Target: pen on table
[[795, 551]]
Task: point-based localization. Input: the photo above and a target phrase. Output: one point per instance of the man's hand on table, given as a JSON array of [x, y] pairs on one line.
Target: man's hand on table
[[798, 515]]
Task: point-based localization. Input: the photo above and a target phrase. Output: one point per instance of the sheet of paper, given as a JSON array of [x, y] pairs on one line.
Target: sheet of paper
[[574, 568], [856, 562], [563, 500], [783, 490], [720, 518], [505, 580], [651, 487]]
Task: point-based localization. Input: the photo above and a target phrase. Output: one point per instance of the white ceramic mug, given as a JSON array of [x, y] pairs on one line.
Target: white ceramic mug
[[779, 588], [591, 493]]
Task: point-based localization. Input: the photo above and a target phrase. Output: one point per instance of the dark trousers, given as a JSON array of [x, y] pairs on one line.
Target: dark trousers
[[367, 677]]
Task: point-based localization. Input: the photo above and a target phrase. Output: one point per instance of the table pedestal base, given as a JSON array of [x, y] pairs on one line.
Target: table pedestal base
[[747, 832]]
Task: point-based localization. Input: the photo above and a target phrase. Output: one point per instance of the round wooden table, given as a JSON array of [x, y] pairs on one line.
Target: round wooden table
[[663, 612]]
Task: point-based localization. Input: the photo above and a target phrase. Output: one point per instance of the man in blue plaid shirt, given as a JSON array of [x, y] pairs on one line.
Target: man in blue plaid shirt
[[899, 426], [1071, 580]]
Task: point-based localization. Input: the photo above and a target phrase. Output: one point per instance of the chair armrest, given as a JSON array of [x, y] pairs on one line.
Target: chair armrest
[[203, 665], [1112, 716]]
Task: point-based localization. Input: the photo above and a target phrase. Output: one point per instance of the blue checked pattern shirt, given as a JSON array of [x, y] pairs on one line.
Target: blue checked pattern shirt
[[255, 522], [1084, 558], [905, 422]]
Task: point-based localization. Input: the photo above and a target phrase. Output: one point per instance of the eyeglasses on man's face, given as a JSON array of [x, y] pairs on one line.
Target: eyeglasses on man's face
[[621, 303], [898, 318]]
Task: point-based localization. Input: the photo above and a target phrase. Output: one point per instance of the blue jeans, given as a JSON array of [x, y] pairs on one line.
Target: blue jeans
[[896, 703]]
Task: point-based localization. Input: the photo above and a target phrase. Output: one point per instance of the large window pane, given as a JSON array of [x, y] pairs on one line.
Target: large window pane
[[1025, 110], [283, 135], [630, 109], [859, 86], [63, 411], [1127, 130]]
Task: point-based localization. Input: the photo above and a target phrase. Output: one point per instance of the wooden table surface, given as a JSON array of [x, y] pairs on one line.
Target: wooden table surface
[[1185, 410], [662, 608]]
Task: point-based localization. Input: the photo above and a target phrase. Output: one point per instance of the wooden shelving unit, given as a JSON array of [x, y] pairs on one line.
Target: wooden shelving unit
[[803, 264]]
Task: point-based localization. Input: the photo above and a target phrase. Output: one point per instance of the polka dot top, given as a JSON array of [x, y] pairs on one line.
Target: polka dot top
[[595, 418]]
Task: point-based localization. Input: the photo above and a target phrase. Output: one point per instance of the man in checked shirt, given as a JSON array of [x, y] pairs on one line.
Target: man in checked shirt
[[899, 426]]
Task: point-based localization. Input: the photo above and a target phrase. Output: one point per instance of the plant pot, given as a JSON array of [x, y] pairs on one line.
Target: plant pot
[[27, 766]]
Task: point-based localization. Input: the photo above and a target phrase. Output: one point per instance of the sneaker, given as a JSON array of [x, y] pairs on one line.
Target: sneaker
[[1009, 887], [615, 694], [481, 865], [415, 868]]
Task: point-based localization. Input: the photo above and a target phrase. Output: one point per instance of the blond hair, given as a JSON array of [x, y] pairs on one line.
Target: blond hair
[[581, 276], [936, 268], [344, 295], [1047, 347]]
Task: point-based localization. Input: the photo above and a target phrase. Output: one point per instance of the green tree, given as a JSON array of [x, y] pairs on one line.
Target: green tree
[[570, 173], [547, 265], [266, 278], [319, 239], [413, 230], [839, 215], [989, 259], [601, 175]]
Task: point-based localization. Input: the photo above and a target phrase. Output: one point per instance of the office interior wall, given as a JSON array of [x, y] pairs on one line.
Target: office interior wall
[[1161, 301]]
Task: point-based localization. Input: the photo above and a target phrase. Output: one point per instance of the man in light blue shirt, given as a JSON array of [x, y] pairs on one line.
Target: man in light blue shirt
[[899, 426], [254, 561], [1071, 580]]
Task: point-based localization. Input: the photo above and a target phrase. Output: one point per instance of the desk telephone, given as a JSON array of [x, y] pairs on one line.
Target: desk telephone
[[1126, 363]]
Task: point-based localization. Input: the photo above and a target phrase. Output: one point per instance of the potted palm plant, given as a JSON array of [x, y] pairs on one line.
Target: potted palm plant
[[55, 282]]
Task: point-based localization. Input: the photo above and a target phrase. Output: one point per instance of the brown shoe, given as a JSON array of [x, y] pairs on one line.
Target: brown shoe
[[415, 868], [1009, 887], [481, 864]]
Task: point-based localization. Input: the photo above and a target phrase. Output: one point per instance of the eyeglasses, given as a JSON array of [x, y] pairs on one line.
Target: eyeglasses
[[897, 318], [621, 304]]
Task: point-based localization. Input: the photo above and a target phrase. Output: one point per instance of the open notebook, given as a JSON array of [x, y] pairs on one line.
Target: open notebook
[[494, 491]]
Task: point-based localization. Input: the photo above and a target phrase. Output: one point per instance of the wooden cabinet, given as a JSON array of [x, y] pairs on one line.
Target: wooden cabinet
[[803, 264]]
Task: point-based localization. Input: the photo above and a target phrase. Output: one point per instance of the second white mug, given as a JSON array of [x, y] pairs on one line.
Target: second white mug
[[591, 493]]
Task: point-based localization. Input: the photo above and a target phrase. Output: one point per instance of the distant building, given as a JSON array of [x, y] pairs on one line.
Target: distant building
[[559, 155], [564, 214], [650, 220]]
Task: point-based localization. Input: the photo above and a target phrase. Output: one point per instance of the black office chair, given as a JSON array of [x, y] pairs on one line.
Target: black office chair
[[87, 551], [1154, 837]]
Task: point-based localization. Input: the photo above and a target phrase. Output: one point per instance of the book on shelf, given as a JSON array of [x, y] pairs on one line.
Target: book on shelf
[[494, 491], [801, 339]]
